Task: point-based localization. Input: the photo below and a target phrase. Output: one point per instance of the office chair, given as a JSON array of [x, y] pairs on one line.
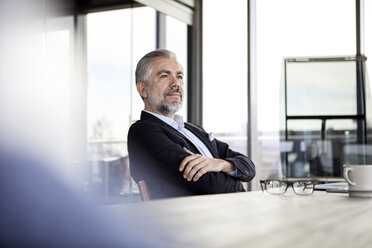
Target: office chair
[[144, 191]]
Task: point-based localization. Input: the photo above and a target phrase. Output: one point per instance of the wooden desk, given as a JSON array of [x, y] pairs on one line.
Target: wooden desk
[[255, 219]]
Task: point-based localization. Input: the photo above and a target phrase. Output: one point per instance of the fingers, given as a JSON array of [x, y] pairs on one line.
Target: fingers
[[193, 167], [196, 165], [187, 150], [198, 171], [186, 160]]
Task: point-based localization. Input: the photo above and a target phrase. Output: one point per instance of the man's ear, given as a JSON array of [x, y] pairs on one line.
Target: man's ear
[[141, 88]]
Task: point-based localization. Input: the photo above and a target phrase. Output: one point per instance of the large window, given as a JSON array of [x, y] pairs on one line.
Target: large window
[[225, 100], [111, 46], [368, 53], [58, 88], [39, 110], [176, 41], [290, 28], [116, 41]]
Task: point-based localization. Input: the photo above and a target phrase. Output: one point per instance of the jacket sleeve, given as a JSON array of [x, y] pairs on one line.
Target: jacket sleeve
[[245, 167]]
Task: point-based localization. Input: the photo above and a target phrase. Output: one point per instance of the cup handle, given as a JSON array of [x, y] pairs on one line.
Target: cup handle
[[346, 175]]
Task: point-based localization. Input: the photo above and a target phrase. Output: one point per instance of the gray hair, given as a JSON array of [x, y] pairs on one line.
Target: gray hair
[[144, 68]]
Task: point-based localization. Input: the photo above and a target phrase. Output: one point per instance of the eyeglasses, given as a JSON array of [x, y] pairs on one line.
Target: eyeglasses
[[279, 187]]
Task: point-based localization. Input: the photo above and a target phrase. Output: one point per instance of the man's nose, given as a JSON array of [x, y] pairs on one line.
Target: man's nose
[[175, 82]]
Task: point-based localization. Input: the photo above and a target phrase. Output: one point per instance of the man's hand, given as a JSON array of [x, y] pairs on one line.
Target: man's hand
[[196, 165]]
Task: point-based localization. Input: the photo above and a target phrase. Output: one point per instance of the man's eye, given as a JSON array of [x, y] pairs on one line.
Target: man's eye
[[164, 76], [180, 77]]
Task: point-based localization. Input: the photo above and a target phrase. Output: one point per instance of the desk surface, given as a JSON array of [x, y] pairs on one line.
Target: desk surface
[[255, 219]]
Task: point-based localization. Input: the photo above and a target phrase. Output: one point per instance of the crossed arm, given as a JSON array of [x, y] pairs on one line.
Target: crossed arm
[[196, 165], [168, 152]]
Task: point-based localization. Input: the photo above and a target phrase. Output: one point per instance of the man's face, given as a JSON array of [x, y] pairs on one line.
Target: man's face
[[165, 86]]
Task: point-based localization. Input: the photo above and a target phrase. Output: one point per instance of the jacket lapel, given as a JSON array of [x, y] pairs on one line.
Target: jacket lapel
[[150, 117], [193, 128], [202, 135]]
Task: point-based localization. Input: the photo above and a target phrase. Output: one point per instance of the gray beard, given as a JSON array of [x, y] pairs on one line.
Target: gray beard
[[161, 104]]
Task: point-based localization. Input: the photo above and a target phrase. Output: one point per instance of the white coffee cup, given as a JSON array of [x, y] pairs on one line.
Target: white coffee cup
[[359, 179]]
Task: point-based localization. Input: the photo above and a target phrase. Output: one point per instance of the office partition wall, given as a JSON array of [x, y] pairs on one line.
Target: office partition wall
[[323, 116]]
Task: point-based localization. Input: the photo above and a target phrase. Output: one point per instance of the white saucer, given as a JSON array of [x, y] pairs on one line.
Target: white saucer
[[360, 193]]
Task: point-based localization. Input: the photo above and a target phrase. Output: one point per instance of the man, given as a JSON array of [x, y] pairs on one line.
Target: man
[[173, 157]]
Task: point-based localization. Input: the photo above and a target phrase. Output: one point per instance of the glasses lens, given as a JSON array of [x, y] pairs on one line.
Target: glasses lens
[[303, 187], [276, 187]]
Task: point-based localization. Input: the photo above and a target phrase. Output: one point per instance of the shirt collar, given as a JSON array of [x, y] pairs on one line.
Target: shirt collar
[[179, 120], [176, 123]]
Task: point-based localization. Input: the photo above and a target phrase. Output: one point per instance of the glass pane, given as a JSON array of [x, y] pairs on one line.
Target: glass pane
[[178, 45], [355, 154], [307, 154], [292, 28], [144, 41], [225, 71], [368, 53], [116, 40], [310, 158], [58, 89], [109, 77], [368, 31], [58, 57], [113, 37], [321, 88], [304, 129], [37, 91], [300, 148], [296, 32], [344, 130]]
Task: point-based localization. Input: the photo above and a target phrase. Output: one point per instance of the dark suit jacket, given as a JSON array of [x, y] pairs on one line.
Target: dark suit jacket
[[155, 153]]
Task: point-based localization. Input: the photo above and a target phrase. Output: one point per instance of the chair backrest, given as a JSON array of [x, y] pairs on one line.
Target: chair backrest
[[144, 191]]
